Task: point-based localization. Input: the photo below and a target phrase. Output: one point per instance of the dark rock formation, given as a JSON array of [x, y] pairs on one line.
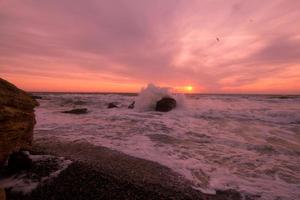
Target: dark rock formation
[[19, 161], [16, 120], [107, 174], [131, 106], [36, 97], [112, 105], [165, 104], [2, 194], [77, 111]]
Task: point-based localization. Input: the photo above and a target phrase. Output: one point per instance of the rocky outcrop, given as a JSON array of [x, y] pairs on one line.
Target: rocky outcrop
[[18, 161], [112, 105], [131, 106], [16, 120], [165, 104], [36, 97], [2, 194], [77, 111]]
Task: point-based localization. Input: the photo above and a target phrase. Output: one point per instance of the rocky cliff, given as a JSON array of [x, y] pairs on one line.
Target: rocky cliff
[[16, 119]]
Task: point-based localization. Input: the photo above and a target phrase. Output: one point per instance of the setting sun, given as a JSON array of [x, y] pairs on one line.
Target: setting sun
[[189, 88]]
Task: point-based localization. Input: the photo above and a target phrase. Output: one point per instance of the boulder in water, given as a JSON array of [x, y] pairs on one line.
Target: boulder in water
[[112, 105], [76, 111], [17, 120], [131, 106], [36, 97], [165, 104]]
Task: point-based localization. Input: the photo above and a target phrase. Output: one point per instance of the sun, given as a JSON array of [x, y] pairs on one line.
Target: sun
[[189, 88]]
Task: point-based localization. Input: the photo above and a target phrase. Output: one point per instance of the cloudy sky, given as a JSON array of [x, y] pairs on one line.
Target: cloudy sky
[[217, 46]]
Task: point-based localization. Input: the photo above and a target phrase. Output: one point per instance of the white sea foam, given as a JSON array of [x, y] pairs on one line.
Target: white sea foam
[[247, 143], [147, 98], [22, 183]]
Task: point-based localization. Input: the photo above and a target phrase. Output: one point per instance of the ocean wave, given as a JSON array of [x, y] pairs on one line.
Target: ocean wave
[[250, 144]]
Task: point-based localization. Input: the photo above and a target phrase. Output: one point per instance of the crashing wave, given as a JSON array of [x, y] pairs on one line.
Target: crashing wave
[[147, 98]]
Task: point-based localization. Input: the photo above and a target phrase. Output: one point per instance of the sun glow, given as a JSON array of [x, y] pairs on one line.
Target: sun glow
[[189, 88]]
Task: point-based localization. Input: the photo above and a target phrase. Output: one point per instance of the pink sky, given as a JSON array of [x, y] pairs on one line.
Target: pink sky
[[216, 46]]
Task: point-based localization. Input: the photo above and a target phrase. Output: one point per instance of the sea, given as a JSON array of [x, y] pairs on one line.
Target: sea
[[249, 143]]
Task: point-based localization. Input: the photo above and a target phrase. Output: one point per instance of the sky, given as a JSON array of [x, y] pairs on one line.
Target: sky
[[209, 46]]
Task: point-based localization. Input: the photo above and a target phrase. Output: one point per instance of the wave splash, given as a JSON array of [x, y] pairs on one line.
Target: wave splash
[[147, 98]]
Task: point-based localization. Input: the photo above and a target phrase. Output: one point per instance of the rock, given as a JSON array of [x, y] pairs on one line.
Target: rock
[[77, 111], [131, 106], [2, 194], [112, 105], [36, 97], [18, 161], [165, 104], [286, 97], [17, 120]]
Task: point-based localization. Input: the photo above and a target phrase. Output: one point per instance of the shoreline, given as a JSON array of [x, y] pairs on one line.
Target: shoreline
[[101, 173]]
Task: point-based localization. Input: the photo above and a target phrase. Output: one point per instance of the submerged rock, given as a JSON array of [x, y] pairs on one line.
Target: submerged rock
[[19, 161], [17, 119], [36, 97], [112, 105], [77, 111], [286, 97], [131, 106], [165, 104]]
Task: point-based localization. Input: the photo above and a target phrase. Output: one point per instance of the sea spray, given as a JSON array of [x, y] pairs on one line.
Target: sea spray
[[148, 97], [221, 142]]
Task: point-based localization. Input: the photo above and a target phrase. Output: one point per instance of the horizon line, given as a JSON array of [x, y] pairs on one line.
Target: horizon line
[[189, 93]]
